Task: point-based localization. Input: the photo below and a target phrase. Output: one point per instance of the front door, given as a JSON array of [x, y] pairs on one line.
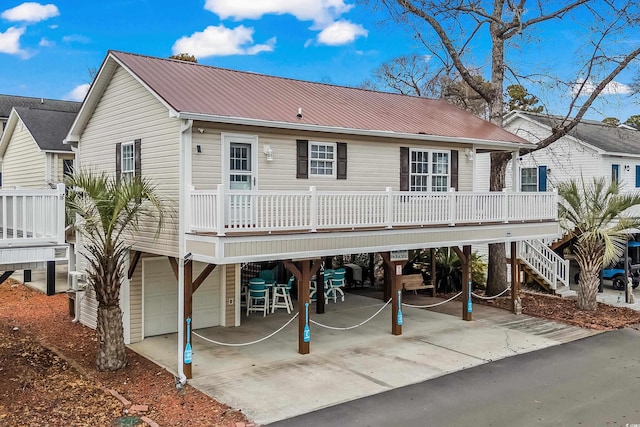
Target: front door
[[241, 178]]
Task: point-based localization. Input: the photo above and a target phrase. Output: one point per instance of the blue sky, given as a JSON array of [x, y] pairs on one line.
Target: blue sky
[[47, 49]]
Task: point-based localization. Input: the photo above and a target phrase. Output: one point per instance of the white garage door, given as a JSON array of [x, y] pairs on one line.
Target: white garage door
[[161, 299]]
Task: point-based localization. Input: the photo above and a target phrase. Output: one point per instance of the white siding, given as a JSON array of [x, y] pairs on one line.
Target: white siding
[[565, 159], [23, 164], [89, 309], [372, 164], [127, 112]]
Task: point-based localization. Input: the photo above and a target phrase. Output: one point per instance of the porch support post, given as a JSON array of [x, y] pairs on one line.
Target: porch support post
[[434, 280], [188, 313], [303, 270], [516, 304], [51, 278], [394, 269], [465, 258]]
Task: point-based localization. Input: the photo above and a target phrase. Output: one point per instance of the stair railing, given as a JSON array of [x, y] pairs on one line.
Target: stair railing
[[545, 262]]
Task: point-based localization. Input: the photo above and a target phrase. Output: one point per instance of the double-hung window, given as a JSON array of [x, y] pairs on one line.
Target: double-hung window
[[529, 179], [322, 159], [429, 170], [127, 160]]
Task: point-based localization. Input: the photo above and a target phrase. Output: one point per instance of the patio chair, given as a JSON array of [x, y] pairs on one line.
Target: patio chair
[[268, 276], [282, 296], [258, 297], [336, 282], [313, 288]]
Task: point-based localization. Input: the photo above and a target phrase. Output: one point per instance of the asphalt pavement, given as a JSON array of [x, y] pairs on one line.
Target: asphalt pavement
[[594, 381]]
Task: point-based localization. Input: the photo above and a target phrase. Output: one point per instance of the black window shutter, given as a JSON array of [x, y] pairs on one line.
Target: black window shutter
[[118, 160], [404, 168], [137, 152], [302, 169], [454, 169], [342, 160]]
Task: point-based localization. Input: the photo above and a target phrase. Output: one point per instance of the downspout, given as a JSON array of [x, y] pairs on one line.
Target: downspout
[[185, 151]]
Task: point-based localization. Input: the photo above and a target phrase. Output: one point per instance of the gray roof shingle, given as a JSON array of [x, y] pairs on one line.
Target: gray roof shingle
[[610, 139], [48, 127], [7, 102]]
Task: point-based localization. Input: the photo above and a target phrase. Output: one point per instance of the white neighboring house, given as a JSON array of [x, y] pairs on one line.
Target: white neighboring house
[[34, 159], [591, 149]]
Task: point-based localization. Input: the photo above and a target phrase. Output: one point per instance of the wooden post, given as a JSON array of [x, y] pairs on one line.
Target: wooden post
[[434, 280], [188, 312], [394, 275], [465, 259], [372, 269], [319, 291], [516, 305], [303, 271]]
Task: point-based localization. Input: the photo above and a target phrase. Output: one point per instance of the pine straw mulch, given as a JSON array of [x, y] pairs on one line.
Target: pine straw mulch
[[48, 375], [606, 317]]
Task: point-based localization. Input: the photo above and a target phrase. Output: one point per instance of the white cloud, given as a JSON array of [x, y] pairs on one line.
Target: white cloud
[[78, 93], [341, 32], [31, 12], [220, 41], [46, 43], [321, 12], [10, 41], [76, 38], [613, 88]]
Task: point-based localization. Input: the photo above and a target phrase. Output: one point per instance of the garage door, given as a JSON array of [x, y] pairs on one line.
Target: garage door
[[161, 299]]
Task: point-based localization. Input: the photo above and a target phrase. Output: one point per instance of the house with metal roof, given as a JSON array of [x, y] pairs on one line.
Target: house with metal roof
[[591, 149], [262, 168]]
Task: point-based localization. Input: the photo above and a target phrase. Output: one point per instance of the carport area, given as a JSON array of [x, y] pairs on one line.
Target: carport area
[[271, 381]]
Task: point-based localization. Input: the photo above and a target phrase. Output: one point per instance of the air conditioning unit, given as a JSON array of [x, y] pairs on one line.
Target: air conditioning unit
[[75, 279]]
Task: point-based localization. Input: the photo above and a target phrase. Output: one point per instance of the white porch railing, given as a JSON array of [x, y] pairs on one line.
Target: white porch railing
[[32, 216], [545, 262], [225, 210]]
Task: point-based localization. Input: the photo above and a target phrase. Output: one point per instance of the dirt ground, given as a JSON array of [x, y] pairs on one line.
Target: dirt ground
[[48, 376]]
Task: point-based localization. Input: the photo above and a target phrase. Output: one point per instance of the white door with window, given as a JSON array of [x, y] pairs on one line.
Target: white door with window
[[240, 177]]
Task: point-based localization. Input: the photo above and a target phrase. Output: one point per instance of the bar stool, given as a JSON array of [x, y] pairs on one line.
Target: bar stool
[[282, 296]]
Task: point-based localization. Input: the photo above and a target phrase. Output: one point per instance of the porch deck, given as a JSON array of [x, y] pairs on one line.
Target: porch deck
[[224, 211], [32, 227]]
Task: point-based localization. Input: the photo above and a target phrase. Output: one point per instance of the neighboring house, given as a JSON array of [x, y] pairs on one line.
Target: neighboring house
[[261, 168], [8, 102], [591, 149], [31, 148], [32, 233]]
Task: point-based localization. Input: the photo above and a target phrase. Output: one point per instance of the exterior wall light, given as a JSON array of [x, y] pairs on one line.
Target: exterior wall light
[[268, 152]]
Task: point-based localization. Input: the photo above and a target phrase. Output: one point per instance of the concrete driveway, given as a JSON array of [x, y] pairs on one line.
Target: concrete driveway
[[270, 381]]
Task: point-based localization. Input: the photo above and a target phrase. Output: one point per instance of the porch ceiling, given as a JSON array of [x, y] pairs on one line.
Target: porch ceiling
[[231, 249]]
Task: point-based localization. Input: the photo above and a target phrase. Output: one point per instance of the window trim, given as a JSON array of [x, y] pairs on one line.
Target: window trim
[[334, 160], [430, 174]]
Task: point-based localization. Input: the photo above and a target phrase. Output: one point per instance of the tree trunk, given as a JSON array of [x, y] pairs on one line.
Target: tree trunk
[[497, 267], [589, 255], [111, 349]]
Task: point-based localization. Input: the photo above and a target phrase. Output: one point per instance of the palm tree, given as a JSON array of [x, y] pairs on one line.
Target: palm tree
[[594, 213], [107, 211]]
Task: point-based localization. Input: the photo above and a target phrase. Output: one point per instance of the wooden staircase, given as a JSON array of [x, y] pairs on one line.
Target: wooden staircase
[[532, 275], [544, 267]]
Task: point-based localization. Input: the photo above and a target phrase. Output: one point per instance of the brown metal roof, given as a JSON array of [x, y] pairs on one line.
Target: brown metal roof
[[194, 88]]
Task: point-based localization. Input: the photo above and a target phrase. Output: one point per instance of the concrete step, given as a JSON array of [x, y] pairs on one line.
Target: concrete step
[[565, 292]]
